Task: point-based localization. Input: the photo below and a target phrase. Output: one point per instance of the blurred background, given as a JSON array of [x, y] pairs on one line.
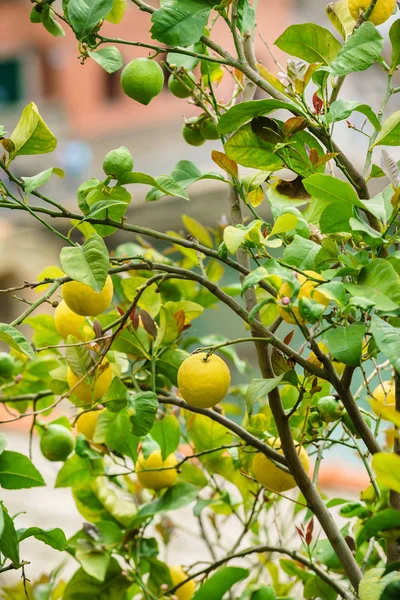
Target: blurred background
[[89, 114]]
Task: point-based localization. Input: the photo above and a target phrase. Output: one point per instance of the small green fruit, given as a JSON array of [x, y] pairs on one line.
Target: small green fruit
[[192, 134], [182, 86], [350, 426], [142, 80], [57, 443], [330, 408], [117, 162], [6, 365], [209, 130]]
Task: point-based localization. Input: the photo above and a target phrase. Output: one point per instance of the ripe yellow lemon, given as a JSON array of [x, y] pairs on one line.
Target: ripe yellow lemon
[[185, 592], [202, 381], [86, 423], [142, 80], [83, 300], [308, 289], [88, 393], [271, 476], [381, 13], [338, 366], [67, 322], [150, 474], [385, 394]]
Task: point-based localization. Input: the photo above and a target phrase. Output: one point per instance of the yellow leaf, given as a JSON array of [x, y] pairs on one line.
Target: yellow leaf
[[272, 79], [284, 223], [51, 272], [225, 163], [197, 230], [256, 196], [32, 135], [387, 469], [117, 12], [387, 412]]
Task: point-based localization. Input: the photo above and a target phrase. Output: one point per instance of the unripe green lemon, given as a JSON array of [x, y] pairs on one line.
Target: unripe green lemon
[[6, 365], [209, 130], [57, 443], [117, 162], [203, 381], [181, 86], [142, 80], [382, 12], [192, 134], [330, 409]]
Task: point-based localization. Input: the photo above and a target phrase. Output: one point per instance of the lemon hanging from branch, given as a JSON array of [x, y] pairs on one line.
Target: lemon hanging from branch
[[203, 380]]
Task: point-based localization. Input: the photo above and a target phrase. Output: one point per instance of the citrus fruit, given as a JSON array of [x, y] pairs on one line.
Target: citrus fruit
[[142, 80], [330, 409], [202, 381], [149, 473], [192, 134], [6, 365], [117, 162], [350, 426], [338, 366], [185, 592], [385, 395], [308, 289], [86, 423], [87, 393], [209, 130], [83, 300], [67, 322], [57, 442], [381, 13], [271, 476], [181, 86]]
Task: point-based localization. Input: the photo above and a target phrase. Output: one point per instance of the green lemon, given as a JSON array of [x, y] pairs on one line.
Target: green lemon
[[192, 134], [350, 426], [57, 443], [182, 86], [142, 80], [6, 365], [330, 409], [209, 130], [117, 162]]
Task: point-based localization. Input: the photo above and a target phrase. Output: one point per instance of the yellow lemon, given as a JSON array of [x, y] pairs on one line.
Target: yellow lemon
[[83, 300], [307, 290], [271, 476], [381, 13], [202, 381], [89, 393], [185, 592], [338, 366], [68, 323], [150, 474], [86, 423], [385, 395]]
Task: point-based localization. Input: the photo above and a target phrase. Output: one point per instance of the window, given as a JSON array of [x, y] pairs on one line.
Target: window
[[10, 81]]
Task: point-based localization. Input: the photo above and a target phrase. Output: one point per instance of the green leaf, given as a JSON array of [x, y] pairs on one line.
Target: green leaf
[[174, 59], [15, 339], [301, 253], [79, 359], [116, 397], [17, 471], [177, 496], [249, 150], [32, 135], [242, 113], [52, 537], [94, 562], [284, 223], [33, 183], [186, 173], [85, 587], [345, 343], [3, 442], [49, 22], [207, 434], [315, 587], [379, 282], [359, 52], [88, 263], [374, 582], [150, 299], [220, 582], [9, 545], [342, 109], [84, 15], [141, 410], [108, 58], [246, 16], [181, 22], [340, 16], [119, 436], [167, 435], [387, 469], [116, 501], [390, 132], [394, 35], [382, 521], [330, 189], [117, 12], [258, 391], [391, 591], [310, 42], [78, 472], [387, 339], [235, 236], [112, 205]]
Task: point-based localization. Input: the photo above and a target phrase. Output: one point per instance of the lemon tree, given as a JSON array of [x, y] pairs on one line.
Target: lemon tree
[[162, 419]]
